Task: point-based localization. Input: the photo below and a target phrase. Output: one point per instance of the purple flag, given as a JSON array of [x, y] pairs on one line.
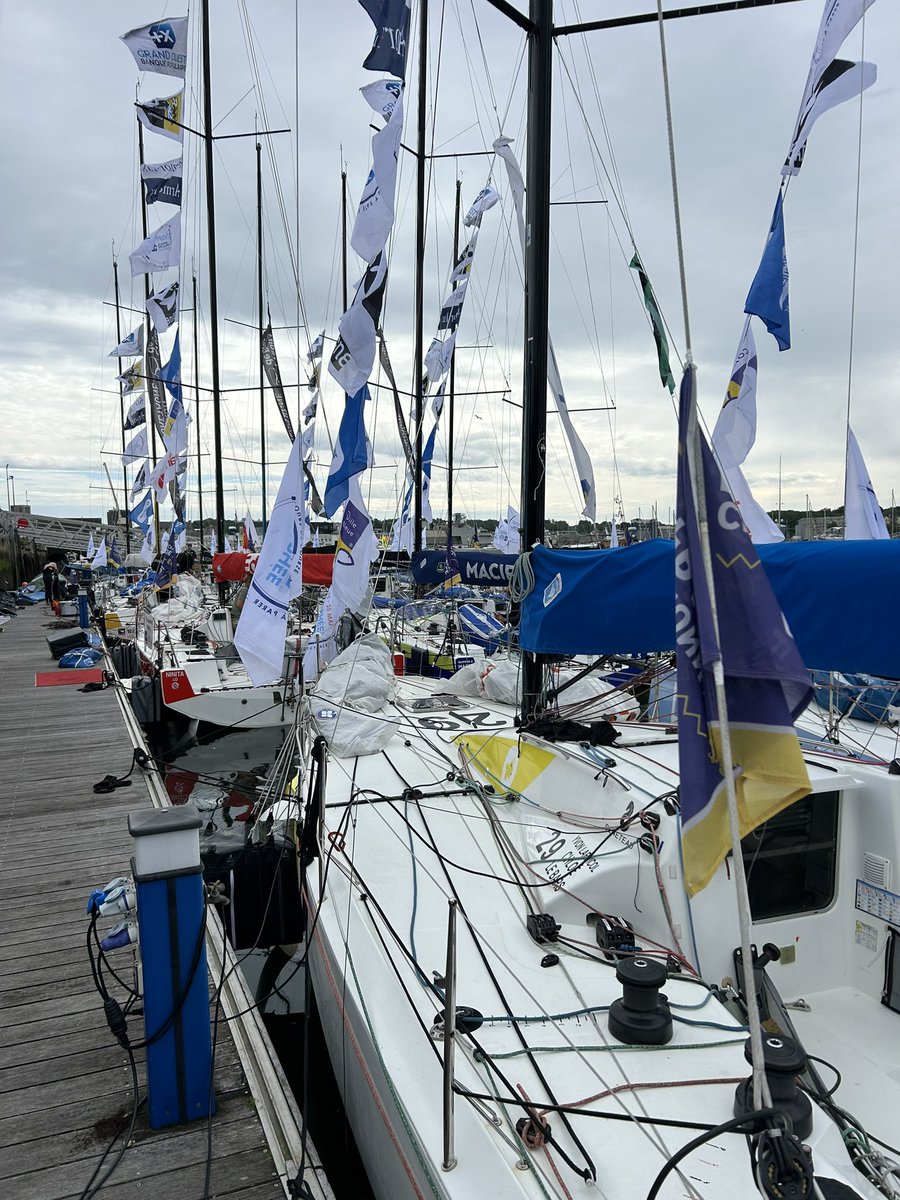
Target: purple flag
[[766, 684]]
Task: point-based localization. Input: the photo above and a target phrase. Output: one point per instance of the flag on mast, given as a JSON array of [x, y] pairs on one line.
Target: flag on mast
[[160, 46], [89, 553], [162, 182], [160, 250], [656, 323], [162, 307], [129, 346], [100, 559], [375, 214], [768, 297], [391, 20], [351, 454], [162, 115], [276, 581], [863, 517], [736, 629]]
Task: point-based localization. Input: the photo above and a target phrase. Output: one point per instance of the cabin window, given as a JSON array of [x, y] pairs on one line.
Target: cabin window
[[791, 860]]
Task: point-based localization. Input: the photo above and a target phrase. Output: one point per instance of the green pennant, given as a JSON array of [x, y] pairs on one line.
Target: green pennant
[[659, 333]]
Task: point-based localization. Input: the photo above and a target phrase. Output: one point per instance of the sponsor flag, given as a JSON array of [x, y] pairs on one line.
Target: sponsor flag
[[656, 322], [735, 430], [273, 374], [382, 95], [438, 357], [142, 514], [485, 199], [160, 46], [315, 350], [89, 553], [175, 429], [167, 571], [100, 559], [312, 493], [353, 356], [132, 378], [170, 374], [451, 309], [322, 645], [142, 479], [583, 468], [163, 116], [829, 81], [760, 526], [427, 460], [163, 307], [213, 545], [309, 412], [357, 546], [160, 250], [391, 20], [249, 536], [147, 551], [463, 265], [154, 381], [137, 413], [131, 345], [375, 214], [276, 581], [163, 471], [162, 182], [863, 517], [401, 534], [136, 448], [351, 453], [768, 296], [765, 683], [114, 554]]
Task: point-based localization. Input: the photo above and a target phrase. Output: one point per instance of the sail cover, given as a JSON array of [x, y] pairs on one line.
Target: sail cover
[[837, 598]]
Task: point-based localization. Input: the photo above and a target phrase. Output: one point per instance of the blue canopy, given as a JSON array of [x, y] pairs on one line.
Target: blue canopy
[[839, 599]]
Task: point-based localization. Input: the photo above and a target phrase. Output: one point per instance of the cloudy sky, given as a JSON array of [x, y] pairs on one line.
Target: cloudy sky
[[69, 171]]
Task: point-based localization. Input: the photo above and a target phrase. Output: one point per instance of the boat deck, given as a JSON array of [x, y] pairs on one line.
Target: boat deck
[[65, 1083]]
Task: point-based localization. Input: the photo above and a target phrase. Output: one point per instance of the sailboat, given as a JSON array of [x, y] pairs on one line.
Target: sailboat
[[524, 987]]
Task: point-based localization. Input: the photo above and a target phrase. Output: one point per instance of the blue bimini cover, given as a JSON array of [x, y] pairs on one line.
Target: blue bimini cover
[[838, 599]]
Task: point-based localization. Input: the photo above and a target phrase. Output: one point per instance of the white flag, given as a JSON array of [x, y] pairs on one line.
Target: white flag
[[160, 46], [227, 547], [213, 545], [164, 471], [584, 471], [613, 534], [89, 553], [353, 356], [839, 17], [315, 350], [174, 433], [141, 480], [136, 448], [485, 199], [437, 358], [163, 307], [760, 526], [130, 345], [276, 581], [148, 546], [160, 250], [863, 517], [375, 215], [356, 547], [132, 378], [382, 95], [735, 430], [316, 540], [100, 559], [251, 534]]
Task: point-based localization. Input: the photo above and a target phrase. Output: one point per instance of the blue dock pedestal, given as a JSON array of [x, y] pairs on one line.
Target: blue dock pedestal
[[81, 600], [170, 907]]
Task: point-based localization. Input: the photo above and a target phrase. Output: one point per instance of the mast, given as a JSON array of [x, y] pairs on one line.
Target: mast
[[452, 386], [151, 415], [213, 300], [537, 275], [344, 238], [122, 406], [197, 416], [259, 300], [420, 277]]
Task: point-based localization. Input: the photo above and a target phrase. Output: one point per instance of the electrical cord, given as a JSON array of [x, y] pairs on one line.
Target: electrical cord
[[742, 1124]]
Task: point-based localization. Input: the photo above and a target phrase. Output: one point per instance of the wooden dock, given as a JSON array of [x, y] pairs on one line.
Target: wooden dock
[[65, 1083]]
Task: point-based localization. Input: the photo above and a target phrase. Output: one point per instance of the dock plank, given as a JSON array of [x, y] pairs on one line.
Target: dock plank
[[64, 1080]]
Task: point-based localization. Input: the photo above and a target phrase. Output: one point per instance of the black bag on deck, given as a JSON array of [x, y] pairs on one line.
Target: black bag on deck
[[66, 639], [261, 882]]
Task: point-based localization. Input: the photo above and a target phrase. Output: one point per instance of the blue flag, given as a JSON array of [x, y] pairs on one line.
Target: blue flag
[[350, 452], [427, 460], [391, 20], [171, 372], [142, 513], [768, 295], [168, 565], [766, 684]]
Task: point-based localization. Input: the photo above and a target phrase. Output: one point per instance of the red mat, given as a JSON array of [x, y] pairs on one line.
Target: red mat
[[72, 675]]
